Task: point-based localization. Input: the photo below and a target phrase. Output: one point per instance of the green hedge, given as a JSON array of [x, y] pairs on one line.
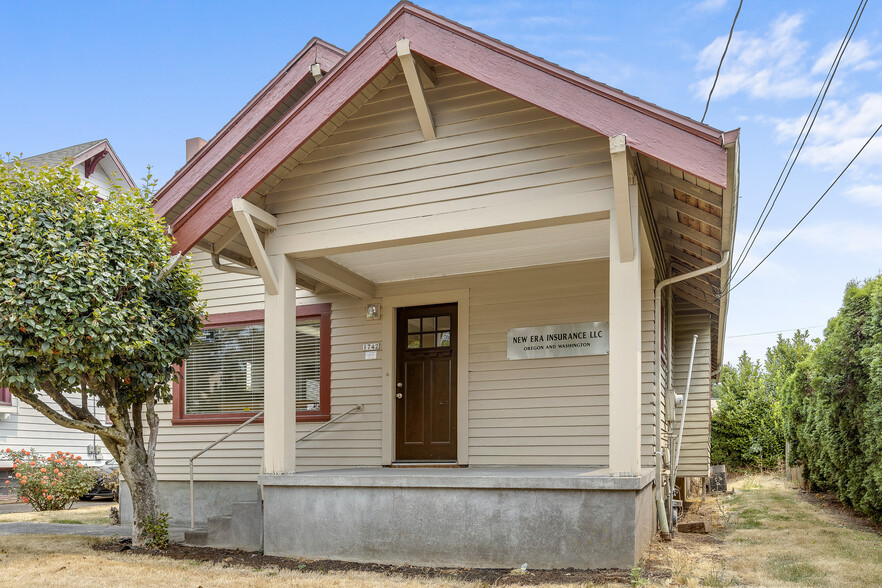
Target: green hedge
[[832, 403]]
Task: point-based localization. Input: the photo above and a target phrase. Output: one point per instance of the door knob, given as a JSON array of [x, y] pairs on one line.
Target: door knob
[[399, 395]]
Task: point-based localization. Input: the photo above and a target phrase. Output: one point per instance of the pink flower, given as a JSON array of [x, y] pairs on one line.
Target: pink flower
[[25, 499]]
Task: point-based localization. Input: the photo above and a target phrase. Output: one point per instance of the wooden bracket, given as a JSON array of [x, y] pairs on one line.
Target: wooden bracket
[[618, 151], [246, 216], [415, 85]]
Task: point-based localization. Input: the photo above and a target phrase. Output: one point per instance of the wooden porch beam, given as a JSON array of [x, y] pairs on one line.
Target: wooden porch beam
[[260, 216], [252, 239], [687, 209], [415, 85], [687, 231], [696, 297], [226, 239], [316, 70], [682, 185], [336, 276], [675, 241], [618, 150]]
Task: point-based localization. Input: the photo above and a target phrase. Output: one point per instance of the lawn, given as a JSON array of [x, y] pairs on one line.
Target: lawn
[[89, 515], [766, 534]]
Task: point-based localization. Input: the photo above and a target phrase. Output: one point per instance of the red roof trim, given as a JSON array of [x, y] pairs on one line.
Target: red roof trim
[[245, 121], [668, 137]]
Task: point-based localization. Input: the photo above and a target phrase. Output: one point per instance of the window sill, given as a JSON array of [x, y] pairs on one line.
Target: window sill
[[216, 419]]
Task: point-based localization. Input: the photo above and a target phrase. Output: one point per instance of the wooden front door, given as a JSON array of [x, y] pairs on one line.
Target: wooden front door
[[425, 392]]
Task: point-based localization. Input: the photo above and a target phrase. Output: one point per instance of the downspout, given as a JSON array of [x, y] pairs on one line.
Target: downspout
[[248, 271], [659, 499]]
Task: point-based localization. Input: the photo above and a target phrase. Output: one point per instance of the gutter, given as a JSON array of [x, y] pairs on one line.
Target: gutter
[[662, 517]]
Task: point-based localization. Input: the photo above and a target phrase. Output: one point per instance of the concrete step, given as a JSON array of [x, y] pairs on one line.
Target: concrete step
[[246, 526], [243, 529], [197, 537]]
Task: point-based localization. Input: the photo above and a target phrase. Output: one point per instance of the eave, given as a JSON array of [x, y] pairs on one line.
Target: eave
[[657, 133]]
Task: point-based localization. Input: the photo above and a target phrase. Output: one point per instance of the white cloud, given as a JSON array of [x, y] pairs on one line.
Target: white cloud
[[870, 195], [858, 56], [764, 66], [839, 132], [776, 63], [843, 236], [710, 5]]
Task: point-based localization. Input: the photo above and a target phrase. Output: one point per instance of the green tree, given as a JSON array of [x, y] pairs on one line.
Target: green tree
[[746, 425], [833, 403], [91, 305]]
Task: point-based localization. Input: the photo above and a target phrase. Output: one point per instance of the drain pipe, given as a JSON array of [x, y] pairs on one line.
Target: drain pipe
[[248, 271], [659, 497]]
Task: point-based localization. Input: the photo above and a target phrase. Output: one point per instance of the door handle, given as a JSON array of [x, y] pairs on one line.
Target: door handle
[[399, 395]]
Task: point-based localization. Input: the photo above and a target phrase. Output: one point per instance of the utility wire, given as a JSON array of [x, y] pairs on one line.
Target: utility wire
[[818, 201], [777, 332], [798, 144], [720, 66]]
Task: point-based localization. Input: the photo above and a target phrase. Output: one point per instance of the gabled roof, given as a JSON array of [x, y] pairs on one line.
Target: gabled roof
[[81, 153], [247, 123], [665, 136]]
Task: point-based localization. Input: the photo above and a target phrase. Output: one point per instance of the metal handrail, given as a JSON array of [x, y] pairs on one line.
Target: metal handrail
[[207, 448], [356, 408]]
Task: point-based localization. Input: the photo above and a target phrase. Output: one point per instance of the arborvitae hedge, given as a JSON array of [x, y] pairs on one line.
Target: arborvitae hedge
[[833, 403]]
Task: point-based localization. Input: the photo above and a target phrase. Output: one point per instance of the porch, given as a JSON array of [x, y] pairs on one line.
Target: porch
[[490, 517]]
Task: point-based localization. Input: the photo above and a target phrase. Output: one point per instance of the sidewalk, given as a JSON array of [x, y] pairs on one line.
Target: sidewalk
[[28, 528]]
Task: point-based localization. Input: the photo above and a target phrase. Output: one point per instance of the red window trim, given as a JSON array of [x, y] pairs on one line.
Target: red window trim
[[255, 317], [5, 397]]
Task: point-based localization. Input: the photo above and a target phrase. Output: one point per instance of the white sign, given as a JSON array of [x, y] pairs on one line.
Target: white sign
[[558, 341], [370, 355]]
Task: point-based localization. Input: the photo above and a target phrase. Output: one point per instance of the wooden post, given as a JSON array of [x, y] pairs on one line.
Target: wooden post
[[625, 339], [280, 401]]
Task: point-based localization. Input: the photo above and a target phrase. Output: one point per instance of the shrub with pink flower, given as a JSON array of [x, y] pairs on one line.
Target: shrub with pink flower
[[53, 482]]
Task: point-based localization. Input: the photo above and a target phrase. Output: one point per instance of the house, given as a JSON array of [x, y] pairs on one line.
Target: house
[[21, 426], [458, 287]]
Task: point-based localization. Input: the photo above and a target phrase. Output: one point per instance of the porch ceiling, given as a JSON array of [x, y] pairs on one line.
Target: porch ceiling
[[514, 249]]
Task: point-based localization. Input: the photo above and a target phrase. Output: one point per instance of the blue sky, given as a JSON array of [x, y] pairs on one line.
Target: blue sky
[[148, 75]]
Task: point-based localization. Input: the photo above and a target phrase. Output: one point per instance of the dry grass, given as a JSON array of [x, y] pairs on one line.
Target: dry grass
[[766, 536], [51, 560], [770, 537], [89, 515]]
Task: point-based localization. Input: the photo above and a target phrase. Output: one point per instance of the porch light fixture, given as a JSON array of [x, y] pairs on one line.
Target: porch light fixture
[[372, 312]]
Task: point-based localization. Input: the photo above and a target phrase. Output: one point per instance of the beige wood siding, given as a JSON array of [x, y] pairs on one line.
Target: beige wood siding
[[353, 381], [491, 149], [695, 450]]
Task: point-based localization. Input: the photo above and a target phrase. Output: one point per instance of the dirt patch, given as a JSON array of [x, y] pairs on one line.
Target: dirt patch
[[846, 515], [495, 577]]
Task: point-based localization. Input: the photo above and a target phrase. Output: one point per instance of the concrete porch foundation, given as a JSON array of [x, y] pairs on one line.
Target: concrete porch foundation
[[475, 517]]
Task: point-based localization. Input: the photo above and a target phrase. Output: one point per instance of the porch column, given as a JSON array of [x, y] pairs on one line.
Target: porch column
[[280, 402], [624, 336]]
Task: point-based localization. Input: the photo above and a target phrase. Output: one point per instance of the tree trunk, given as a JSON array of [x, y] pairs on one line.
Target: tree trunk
[[141, 479]]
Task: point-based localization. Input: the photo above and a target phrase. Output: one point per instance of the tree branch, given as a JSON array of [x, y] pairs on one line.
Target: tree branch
[[153, 422], [74, 411], [30, 397]]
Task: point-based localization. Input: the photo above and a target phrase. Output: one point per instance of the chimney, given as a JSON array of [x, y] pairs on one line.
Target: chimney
[[194, 145]]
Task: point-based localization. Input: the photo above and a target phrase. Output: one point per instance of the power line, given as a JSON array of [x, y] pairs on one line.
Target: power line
[[818, 201], [776, 332], [720, 66], [798, 144]]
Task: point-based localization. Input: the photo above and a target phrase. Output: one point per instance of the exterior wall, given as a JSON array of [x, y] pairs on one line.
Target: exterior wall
[[100, 179], [492, 150], [695, 449], [529, 412], [25, 428]]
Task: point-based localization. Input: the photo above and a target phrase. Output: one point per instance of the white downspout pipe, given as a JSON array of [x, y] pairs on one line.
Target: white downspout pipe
[[663, 519]]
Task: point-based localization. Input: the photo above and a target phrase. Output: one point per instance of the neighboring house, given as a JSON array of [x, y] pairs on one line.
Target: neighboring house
[[21, 426], [439, 254]]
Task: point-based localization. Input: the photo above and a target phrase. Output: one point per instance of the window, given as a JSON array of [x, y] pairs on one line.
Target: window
[[222, 380], [5, 397]]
